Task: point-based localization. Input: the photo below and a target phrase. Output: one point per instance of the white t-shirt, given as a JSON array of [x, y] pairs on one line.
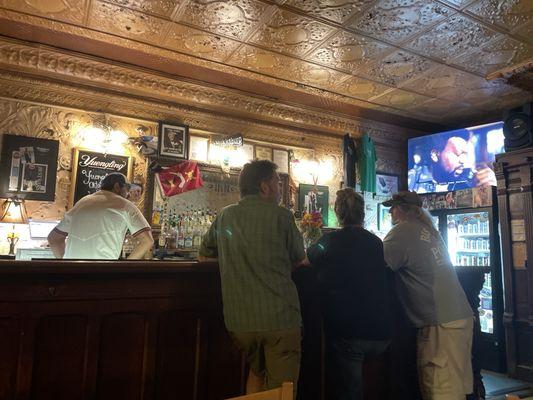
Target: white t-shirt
[[97, 224]]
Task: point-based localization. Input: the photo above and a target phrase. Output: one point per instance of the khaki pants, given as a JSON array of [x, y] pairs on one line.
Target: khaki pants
[[445, 361], [274, 355]]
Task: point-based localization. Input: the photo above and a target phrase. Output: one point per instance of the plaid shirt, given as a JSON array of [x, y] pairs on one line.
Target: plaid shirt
[[256, 243]]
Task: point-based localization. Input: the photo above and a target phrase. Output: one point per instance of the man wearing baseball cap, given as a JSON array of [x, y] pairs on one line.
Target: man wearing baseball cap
[[97, 224], [432, 298]]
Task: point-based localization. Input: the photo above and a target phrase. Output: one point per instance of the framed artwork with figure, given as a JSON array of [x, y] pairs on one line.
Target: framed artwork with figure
[[386, 184], [313, 198], [173, 141], [28, 167]]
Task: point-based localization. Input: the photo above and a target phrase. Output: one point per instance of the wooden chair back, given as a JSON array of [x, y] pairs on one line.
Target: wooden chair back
[[282, 393]]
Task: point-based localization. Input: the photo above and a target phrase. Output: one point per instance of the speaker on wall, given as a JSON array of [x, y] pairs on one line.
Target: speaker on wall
[[518, 127]]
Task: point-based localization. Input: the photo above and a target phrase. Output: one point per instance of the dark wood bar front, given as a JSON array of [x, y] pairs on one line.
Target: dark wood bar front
[[114, 330]]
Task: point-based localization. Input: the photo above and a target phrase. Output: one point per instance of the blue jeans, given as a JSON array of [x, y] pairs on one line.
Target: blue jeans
[[344, 365]]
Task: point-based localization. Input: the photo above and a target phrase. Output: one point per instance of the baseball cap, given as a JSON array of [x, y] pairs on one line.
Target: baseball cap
[[404, 197], [114, 177]]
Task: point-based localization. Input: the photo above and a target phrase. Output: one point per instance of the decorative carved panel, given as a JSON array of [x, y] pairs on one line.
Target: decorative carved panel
[[496, 55], [348, 52], [72, 11], [207, 45], [291, 33], [362, 88], [395, 21], [163, 8], [453, 37], [398, 98], [508, 14], [398, 67], [234, 18], [128, 23], [334, 10]]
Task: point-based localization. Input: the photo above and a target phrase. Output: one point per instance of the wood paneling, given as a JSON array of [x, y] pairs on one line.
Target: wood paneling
[[514, 171], [129, 330]]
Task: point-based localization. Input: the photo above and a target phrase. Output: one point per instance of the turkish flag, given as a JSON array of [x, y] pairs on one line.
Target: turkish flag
[[180, 178]]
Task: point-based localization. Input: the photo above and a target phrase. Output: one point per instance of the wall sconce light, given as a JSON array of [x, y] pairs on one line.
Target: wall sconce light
[[13, 212], [102, 137]]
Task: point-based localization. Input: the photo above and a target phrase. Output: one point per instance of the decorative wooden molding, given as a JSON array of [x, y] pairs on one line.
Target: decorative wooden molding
[[38, 60]]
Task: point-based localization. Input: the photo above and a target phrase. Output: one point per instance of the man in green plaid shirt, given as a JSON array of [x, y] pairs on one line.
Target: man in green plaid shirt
[[257, 244]]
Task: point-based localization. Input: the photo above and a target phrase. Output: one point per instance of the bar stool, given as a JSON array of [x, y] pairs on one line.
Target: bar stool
[[282, 393]]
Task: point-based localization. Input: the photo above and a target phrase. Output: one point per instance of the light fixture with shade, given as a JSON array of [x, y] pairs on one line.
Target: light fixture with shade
[[13, 212]]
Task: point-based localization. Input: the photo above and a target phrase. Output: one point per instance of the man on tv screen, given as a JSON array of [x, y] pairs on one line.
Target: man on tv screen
[[454, 160]]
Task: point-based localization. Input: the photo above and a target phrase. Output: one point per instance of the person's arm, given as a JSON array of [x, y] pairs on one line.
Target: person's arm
[[57, 242], [208, 247], [144, 241], [395, 248]]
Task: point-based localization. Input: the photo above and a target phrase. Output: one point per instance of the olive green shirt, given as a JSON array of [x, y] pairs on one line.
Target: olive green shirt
[[256, 243]]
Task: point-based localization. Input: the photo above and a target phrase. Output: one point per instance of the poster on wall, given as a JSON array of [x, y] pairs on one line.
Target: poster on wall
[[28, 168], [386, 184], [90, 167], [313, 198], [173, 141]]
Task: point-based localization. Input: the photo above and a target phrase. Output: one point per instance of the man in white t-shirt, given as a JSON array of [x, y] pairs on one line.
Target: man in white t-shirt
[[97, 224]]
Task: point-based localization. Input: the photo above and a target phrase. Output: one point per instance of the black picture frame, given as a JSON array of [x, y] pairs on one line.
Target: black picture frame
[[173, 141], [28, 167], [320, 199], [386, 184]]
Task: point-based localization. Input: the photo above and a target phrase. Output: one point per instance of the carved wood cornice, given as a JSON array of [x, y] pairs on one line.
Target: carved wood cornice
[[39, 60]]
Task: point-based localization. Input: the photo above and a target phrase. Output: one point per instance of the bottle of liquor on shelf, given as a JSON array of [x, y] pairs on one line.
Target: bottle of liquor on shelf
[[180, 236]]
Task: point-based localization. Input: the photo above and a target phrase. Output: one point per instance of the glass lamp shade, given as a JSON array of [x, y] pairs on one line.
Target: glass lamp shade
[[14, 212]]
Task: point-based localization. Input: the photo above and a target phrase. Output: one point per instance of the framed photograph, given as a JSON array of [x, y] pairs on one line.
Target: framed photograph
[[384, 218], [281, 159], [386, 184], [173, 141], [263, 153], [313, 198], [248, 151], [28, 168], [199, 148]]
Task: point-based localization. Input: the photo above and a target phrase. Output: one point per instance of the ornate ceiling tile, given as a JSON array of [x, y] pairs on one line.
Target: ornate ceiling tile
[[440, 109], [334, 10], [500, 53], [291, 33], [526, 31], [72, 11], [506, 13], [234, 18], [262, 61], [397, 20], [458, 3], [348, 52], [316, 75], [397, 68], [125, 22], [361, 88], [401, 99], [453, 37], [163, 8], [200, 43], [455, 85]]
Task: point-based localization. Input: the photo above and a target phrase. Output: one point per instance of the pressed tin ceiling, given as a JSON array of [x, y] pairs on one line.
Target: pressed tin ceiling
[[421, 60]]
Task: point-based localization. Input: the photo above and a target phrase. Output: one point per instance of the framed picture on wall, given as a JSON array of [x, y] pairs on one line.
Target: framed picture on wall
[[199, 148], [173, 141], [281, 159], [28, 168], [263, 153], [386, 184], [384, 218], [313, 198]]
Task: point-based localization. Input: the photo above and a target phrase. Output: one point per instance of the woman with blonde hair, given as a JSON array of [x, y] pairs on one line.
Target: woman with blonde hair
[[355, 299]]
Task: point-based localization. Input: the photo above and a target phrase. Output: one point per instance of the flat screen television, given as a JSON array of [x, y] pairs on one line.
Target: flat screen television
[[454, 160]]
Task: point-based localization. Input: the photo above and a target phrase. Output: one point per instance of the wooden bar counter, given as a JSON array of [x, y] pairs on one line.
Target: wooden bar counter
[[114, 330]]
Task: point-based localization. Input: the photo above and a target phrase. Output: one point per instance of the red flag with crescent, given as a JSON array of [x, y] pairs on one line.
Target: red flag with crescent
[[180, 178]]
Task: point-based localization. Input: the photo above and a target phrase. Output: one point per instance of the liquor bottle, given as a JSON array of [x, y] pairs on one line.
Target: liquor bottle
[[180, 239]]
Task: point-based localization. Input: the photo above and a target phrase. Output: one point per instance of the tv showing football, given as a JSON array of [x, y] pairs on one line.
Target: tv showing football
[[454, 160]]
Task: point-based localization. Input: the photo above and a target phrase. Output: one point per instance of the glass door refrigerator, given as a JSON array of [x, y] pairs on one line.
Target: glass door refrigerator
[[471, 235]]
